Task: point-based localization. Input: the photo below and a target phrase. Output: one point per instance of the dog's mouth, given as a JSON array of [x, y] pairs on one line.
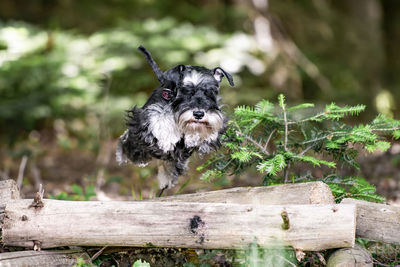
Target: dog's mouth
[[197, 122]]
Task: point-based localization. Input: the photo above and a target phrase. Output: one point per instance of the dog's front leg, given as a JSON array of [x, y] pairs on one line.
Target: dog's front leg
[[168, 173]]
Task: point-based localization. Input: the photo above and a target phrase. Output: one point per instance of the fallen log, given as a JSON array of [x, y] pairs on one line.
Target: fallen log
[[166, 224], [379, 222], [302, 193], [350, 257], [44, 258]]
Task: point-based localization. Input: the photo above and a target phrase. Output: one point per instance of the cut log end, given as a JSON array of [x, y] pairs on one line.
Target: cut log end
[[349, 257]]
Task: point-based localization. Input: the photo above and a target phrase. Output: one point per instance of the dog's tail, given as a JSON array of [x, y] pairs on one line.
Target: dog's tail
[[159, 73]]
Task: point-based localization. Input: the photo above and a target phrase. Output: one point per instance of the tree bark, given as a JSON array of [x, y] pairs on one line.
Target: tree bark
[[43, 258], [302, 193], [379, 222], [166, 224]]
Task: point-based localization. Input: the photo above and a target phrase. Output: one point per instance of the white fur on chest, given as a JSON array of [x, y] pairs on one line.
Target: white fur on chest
[[163, 127]]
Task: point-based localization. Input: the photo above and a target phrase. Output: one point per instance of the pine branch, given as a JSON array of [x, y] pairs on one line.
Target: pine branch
[[251, 140], [328, 136], [305, 150], [283, 107], [310, 134], [269, 139]]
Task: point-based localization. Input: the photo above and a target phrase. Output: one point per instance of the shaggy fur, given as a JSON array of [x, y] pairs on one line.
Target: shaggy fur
[[181, 117]]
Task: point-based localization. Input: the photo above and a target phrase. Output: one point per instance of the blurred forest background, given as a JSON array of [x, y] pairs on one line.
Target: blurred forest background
[[69, 70]]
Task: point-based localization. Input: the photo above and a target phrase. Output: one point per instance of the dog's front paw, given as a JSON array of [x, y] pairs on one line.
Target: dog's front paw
[[166, 180]]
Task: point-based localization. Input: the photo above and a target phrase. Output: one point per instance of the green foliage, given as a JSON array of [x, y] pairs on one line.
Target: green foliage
[[353, 187], [140, 263], [78, 193], [256, 256], [89, 79], [273, 139], [81, 262]]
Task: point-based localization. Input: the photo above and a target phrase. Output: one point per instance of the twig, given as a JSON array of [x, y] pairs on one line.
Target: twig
[[334, 134], [254, 142], [286, 173], [385, 130], [37, 202], [286, 127], [305, 150], [269, 139], [21, 171], [321, 258], [98, 253]]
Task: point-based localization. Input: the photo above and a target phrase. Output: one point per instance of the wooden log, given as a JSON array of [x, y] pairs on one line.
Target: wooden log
[[350, 257], [302, 193], [43, 258], [166, 224], [379, 222]]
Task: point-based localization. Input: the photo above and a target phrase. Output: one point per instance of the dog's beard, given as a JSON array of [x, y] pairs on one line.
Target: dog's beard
[[196, 132]]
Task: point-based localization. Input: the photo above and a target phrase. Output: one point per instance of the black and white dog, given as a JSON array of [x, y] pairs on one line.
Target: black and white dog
[[181, 116]]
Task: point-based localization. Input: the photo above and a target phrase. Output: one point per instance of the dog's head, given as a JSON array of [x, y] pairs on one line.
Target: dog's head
[[195, 102], [192, 92]]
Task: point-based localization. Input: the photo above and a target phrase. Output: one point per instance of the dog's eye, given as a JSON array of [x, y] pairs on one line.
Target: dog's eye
[[167, 94]]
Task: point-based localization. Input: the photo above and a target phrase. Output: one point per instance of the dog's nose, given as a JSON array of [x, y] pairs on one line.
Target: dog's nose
[[198, 115]]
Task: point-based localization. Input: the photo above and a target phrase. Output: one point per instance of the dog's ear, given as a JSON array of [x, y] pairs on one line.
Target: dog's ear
[[181, 71], [219, 73]]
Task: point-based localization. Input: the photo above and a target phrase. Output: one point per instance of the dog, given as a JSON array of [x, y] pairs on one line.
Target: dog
[[182, 116]]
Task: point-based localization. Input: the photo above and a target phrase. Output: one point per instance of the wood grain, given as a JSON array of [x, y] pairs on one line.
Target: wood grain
[[177, 224], [379, 222], [42, 258], [302, 193]]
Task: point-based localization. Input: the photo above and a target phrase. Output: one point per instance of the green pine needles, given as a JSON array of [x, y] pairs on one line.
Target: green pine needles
[[275, 139]]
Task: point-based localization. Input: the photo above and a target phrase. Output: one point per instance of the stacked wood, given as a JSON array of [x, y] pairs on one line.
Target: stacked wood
[[303, 193], [172, 224], [379, 222], [43, 258]]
